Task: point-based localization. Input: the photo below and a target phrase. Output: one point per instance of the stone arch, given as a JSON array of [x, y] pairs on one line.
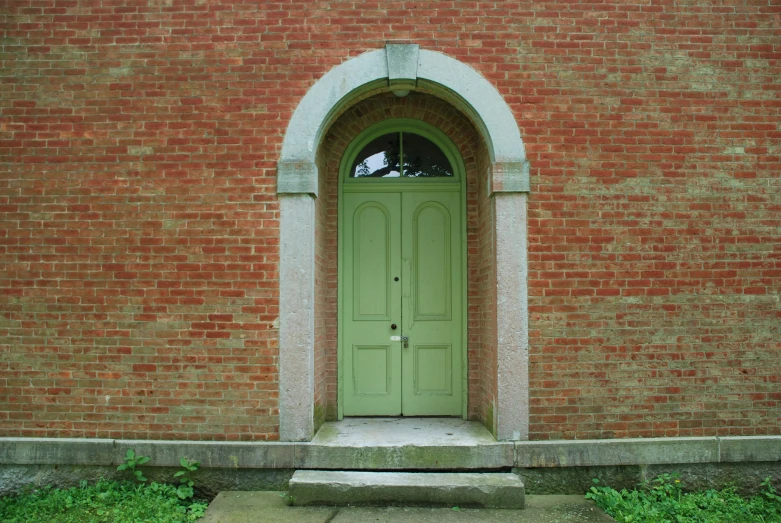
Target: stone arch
[[400, 68]]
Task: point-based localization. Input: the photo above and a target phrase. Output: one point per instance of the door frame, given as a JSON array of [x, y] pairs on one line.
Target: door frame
[[505, 175], [381, 185]]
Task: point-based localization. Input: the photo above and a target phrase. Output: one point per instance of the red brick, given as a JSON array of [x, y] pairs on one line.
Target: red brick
[[139, 223]]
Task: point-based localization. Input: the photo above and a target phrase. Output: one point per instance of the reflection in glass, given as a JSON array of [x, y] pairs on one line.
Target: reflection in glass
[[423, 159], [395, 155], [379, 159]]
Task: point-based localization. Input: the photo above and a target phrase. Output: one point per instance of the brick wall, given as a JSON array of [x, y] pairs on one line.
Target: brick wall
[[138, 246], [325, 288], [654, 254], [482, 290]]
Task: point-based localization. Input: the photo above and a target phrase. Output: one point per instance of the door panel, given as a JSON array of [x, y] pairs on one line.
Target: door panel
[[431, 254], [372, 247], [431, 305], [372, 366], [372, 362], [415, 237], [433, 369]]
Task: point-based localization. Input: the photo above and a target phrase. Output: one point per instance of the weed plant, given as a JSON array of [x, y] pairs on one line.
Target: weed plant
[[132, 461], [664, 501], [104, 502], [186, 483]]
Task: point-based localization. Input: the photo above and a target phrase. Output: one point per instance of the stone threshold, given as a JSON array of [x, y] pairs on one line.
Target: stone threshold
[[338, 453]]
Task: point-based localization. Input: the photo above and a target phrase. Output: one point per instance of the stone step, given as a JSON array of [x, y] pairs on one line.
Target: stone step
[[462, 489]]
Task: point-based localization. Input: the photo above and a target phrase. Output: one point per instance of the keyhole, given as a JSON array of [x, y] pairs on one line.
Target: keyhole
[[396, 278]]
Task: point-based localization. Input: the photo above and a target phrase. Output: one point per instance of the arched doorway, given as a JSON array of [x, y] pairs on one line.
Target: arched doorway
[[403, 68], [402, 279]]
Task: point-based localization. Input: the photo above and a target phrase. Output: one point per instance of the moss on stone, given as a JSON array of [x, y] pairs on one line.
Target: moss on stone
[[318, 416], [488, 421]]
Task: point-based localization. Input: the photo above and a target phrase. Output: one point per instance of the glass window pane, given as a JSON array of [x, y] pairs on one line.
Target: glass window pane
[[379, 159], [424, 159]]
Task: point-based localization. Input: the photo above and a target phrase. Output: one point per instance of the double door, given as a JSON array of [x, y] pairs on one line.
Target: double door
[[402, 320]]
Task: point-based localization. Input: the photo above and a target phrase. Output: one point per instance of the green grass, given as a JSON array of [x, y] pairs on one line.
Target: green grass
[[106, 501], [665, 501]]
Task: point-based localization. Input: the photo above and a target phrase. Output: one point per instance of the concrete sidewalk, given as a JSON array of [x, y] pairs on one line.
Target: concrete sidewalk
[[262, 507]]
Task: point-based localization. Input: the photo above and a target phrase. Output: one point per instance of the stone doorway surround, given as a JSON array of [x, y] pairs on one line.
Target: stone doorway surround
[[401, 68]]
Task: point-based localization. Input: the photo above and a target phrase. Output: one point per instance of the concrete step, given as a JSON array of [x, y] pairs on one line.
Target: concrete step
[[435, 444], [462, 489]]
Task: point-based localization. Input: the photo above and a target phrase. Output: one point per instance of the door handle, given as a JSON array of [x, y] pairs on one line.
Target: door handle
[[393, 326], [405, 342]]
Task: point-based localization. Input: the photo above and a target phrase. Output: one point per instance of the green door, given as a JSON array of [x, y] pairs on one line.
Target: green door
[[402, 268]]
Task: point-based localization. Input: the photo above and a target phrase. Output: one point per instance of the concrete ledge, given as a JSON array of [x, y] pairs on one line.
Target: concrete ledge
[[586, 453], [287, 455], [108, 452], [212, 454], [57, 451], [750, 448]]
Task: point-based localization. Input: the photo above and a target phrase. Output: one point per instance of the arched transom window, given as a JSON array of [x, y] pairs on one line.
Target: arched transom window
[[401, 149], [401, 154]]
